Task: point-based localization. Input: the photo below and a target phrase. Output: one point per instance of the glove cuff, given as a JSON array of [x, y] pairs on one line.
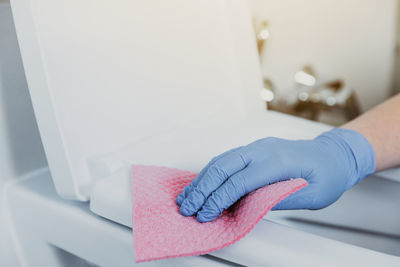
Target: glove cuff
[[357, 147]]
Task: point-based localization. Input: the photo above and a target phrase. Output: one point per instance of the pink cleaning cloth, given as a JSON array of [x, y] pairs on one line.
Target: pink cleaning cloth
[[160, 231]]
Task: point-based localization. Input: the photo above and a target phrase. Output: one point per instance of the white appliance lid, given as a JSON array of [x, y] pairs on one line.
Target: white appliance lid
[[105, 74]]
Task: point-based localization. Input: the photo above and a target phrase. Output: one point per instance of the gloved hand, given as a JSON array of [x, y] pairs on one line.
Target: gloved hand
[[331, 163]]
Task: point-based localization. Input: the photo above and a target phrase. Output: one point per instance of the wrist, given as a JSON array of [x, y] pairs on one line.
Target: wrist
[[360, 155]]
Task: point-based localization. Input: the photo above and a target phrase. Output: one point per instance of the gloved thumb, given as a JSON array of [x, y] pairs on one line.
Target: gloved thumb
[[302, 199]]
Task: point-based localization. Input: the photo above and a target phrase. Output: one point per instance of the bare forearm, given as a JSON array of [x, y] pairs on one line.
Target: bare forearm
[[381, 126]]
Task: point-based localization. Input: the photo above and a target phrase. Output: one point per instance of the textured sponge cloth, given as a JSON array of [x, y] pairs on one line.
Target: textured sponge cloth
[[160, 231]]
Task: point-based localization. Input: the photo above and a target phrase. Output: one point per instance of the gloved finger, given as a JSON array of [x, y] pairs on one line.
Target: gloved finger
[[216, 175], [186, 190], [302, 199], [189, 188], [241, 183], [225, 196]]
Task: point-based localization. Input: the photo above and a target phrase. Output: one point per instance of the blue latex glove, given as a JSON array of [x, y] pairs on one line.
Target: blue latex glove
[[331, 163]]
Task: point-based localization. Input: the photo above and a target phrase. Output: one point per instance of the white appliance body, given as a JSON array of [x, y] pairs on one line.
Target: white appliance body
[[168, 83]]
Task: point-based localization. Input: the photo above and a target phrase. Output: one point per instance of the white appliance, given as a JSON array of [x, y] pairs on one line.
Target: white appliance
[[169, 83]]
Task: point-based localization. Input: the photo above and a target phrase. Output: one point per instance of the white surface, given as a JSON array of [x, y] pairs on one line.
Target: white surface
[[33, 204], [368, 215], [20, 146], [90, 70], [105, 74], [349, 39], [392, 174], [41, 237]]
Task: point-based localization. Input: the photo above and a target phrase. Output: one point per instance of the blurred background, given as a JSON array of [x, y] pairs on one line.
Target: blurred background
[[323, 60], [327, 60]]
